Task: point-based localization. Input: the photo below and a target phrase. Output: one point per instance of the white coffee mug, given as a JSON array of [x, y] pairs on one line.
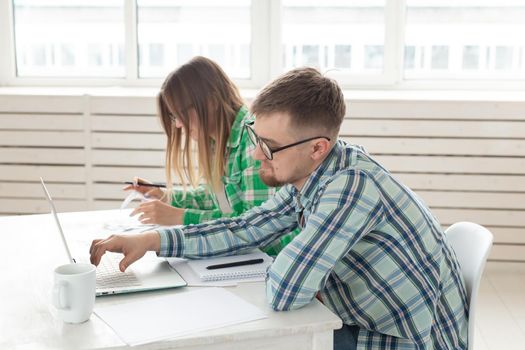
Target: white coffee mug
[[74, 292]]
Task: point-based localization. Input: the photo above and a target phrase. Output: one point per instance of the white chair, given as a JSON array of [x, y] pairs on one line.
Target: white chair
[[471, 243]]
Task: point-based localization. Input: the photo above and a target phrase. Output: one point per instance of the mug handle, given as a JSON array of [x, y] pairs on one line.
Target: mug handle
[[59, 295]]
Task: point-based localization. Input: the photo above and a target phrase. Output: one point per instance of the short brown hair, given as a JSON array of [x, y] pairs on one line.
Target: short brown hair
[[311, 99]]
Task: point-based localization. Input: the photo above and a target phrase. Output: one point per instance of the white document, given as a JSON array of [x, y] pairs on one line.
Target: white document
[[120, 221], [130, 197], [174, 315]]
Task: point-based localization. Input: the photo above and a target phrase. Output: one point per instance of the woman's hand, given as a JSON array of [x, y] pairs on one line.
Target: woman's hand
[[147, 191], [159, 213]]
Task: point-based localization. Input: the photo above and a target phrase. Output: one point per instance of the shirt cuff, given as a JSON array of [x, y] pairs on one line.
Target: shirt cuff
[[189, 218], [197, 216], [171, 242]]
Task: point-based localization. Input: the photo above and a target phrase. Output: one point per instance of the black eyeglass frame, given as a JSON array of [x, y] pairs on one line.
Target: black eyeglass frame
[[257, 140], [174, 117]]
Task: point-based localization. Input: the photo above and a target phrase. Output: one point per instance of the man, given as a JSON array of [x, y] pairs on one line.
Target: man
[[369, 248]]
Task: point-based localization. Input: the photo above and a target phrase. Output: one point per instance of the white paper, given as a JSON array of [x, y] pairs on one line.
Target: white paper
[[130, 197], [163, 317], [122, 222]]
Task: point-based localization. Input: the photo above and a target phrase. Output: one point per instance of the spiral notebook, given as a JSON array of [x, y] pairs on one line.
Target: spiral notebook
[[237, 272]]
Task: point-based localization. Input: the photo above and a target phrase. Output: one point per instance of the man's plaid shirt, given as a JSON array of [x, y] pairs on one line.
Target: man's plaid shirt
[[369, 245]]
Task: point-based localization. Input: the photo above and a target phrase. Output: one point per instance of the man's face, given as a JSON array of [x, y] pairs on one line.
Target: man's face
[[289, 166]]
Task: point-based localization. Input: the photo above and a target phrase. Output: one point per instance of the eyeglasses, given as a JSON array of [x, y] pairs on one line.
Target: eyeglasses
[[267, 151], [176, 116]]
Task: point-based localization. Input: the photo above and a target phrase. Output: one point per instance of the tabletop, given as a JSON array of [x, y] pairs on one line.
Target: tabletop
[[32, 248]]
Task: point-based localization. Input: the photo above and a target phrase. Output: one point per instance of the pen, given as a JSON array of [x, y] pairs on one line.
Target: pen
[[144, 184], [233, 264]]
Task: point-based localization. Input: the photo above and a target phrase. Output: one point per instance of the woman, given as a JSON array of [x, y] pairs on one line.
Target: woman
[[198, 100]]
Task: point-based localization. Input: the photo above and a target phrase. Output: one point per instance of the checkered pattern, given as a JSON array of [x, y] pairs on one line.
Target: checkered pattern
[[243, 187], [369, 245]]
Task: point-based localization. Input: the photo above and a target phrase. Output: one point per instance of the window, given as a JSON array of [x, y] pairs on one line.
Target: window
[[68, 38], [373, 57], [471, 57], [361, 43], [173, 31], [343, 56], [347, 36], [439, 57], [466, 39]]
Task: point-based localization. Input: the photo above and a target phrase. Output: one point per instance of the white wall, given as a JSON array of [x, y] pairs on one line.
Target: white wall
[[465, 155]]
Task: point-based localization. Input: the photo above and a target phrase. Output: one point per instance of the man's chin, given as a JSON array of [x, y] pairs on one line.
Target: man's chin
[[269, 180]]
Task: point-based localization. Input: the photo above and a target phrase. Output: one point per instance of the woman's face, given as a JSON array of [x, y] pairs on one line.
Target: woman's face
[[193, 122]]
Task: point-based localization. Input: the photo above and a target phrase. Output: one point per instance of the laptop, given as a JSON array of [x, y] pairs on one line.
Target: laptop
[[146, 274]]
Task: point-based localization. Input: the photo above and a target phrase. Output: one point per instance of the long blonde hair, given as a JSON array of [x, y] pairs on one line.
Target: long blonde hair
[[200, 84]]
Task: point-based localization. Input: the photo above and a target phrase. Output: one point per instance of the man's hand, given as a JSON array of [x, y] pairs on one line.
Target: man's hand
[[133, 247], [159, 213]]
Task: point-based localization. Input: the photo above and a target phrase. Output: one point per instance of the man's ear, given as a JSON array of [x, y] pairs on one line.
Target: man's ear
[[320, 149]]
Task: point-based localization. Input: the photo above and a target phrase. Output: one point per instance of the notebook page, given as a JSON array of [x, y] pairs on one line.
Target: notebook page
[[237, 272]]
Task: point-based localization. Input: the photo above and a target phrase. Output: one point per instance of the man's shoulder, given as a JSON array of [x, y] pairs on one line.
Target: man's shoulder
[[346, 177], [356, 157], [350, 159], [352, 147]]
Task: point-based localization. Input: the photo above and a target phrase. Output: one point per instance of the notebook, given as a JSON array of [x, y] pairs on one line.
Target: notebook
[[237, 272]]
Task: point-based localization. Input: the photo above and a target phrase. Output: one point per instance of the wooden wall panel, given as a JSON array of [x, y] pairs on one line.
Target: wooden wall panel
[[138, 124], [112, 174], [434, 128], [11, 206], [50, 173], [42, 136], [465, 158]]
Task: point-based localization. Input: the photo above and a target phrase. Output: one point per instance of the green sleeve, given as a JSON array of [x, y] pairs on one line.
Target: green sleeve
[[200, 205]]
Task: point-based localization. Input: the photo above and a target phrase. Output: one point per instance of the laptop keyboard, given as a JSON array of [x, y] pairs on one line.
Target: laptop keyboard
[[109, 275]]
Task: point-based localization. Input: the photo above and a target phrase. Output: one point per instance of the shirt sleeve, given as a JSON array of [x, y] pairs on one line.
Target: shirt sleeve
[[348, 209], [247, 193], [200, 205], [256, 228]]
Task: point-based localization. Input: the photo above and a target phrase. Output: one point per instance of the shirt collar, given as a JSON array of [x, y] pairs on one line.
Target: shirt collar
[[328, 167], [237, 128]]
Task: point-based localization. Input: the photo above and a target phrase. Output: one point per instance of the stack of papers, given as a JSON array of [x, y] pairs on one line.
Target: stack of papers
[[174, 315]]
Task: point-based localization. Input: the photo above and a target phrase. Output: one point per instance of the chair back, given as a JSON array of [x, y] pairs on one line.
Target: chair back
[[471, 243]]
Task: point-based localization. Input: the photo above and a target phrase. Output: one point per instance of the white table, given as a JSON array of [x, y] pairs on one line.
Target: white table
[[31, 249]]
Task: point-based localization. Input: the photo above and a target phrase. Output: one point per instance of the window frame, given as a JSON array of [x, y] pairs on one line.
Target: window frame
[[266, 55]]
